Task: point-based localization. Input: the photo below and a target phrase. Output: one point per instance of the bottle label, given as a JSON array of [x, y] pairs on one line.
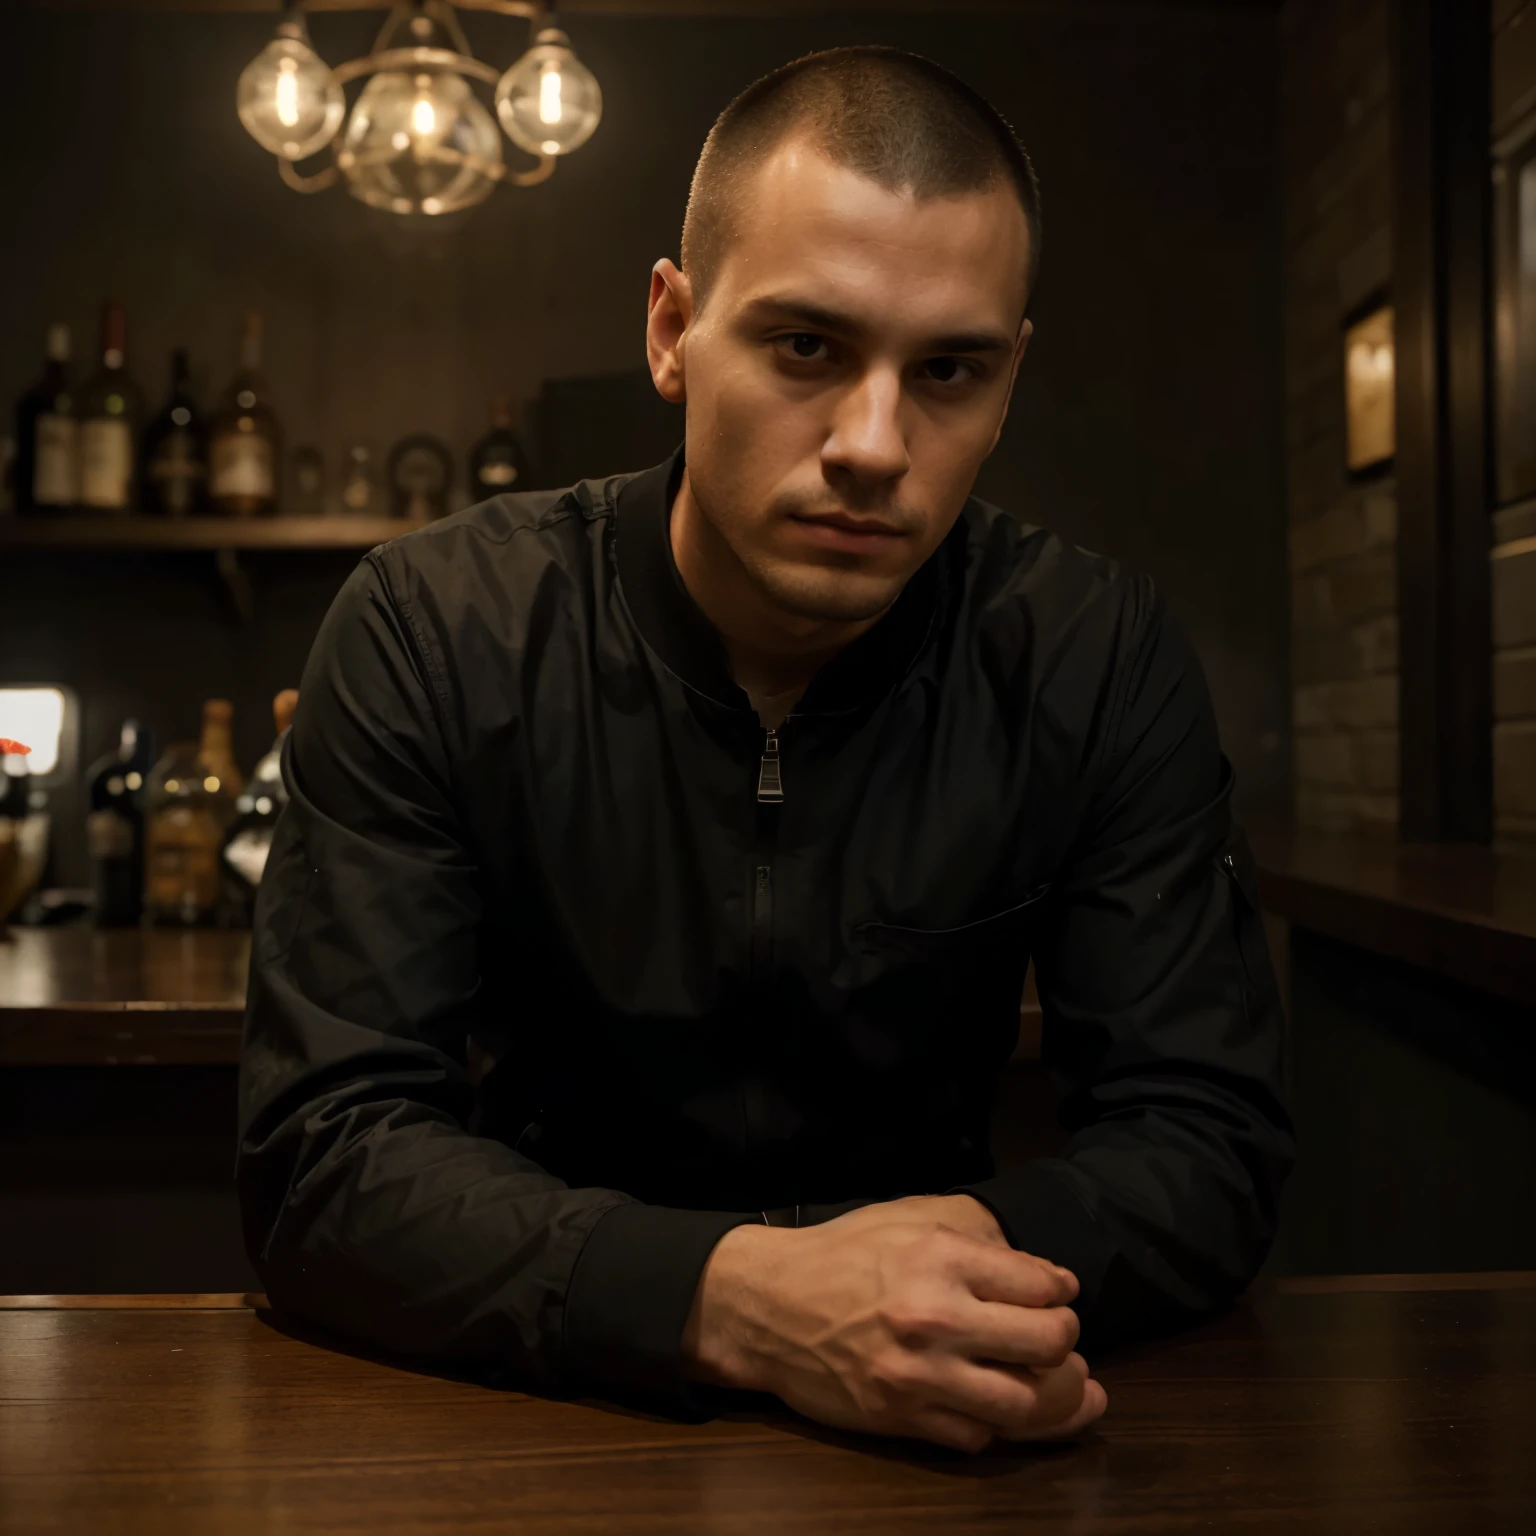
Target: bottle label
[[498, 470], [108, 835], [181, 874], [53, 474], [106, 462], [241, 465], [176, 471]]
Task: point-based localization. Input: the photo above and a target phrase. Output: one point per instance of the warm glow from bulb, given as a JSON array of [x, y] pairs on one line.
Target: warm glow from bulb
[[423, 118], [549, 96], [287, 102], [211, 784]]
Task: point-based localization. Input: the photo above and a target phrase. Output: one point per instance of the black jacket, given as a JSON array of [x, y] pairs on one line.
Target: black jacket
[[531, 809]]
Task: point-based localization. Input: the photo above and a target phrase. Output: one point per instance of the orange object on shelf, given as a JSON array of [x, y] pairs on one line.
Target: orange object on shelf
[[9, 748]]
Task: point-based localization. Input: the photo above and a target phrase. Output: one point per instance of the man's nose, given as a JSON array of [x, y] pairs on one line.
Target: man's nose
[[867, 440]]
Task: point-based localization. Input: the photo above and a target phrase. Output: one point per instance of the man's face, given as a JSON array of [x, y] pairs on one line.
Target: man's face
[[846, 377]]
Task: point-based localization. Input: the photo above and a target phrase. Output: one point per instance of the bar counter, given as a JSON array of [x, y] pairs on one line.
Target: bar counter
[[1394, 1403]]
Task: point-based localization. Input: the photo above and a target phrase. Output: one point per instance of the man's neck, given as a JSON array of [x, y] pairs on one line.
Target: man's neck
[[773, 654]]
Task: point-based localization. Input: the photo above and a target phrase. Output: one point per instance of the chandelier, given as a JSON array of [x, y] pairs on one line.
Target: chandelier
[[418, 139]]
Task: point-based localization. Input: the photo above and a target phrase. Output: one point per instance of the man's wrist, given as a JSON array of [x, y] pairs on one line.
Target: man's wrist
[[716, 1345]]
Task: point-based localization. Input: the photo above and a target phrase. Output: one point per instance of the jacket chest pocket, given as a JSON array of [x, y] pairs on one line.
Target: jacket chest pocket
[[994, 938]]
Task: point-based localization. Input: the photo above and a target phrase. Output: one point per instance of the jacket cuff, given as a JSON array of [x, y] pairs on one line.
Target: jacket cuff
[[1041, 1213], [629, 1299]]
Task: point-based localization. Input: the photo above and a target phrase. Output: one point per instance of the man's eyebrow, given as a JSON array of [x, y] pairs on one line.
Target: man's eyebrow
[[818, 317]]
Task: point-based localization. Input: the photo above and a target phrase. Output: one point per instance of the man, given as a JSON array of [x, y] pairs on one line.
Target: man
[[641, 948]]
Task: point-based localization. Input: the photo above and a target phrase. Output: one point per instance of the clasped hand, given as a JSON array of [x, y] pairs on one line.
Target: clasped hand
[[913, 1317]]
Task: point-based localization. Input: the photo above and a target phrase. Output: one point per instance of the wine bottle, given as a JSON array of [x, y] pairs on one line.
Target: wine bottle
[[175, 453], [109, 413], [245, 443], [45, 475], [189, 807], [246, 848], [15, 788], [497, 462], [114, 827]]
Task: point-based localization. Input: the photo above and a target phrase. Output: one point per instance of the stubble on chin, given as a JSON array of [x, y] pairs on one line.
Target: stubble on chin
[[824, 594]]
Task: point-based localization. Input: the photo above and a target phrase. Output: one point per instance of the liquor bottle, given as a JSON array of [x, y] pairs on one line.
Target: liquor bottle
[[250, 837], [188, 808], [45, 477], [114, 828], [497, 462], [15, 788], [244, 442], [108, 407], [175, 456]]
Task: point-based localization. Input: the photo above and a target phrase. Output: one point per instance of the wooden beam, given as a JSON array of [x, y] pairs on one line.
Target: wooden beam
[[1441, 252]]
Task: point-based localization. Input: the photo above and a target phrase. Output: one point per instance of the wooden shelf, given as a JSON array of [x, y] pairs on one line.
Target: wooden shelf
[[200, 533]]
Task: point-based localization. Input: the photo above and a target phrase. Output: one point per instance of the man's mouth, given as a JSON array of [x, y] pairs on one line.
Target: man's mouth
[[845, 532]]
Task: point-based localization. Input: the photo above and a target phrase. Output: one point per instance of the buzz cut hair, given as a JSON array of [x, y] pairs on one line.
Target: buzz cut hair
[[902, 121]]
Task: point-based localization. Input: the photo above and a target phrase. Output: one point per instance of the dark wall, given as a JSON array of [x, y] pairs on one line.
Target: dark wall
[[1147, 421]]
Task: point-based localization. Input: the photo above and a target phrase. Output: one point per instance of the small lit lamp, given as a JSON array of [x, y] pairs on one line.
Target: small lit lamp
[[288, 99], [549, 101]]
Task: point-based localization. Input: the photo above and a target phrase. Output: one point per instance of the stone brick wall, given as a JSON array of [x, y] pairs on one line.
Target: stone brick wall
[[1514, 527], [1343, 532]]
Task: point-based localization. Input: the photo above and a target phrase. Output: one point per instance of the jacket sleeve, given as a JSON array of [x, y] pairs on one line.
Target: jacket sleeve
[[1162, 1021], [368, 1205]]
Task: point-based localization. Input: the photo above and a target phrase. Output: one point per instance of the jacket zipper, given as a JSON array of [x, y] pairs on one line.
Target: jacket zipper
[[770, 795]]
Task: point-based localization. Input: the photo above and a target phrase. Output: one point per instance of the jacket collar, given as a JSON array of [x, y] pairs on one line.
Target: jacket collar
[[674, 626]]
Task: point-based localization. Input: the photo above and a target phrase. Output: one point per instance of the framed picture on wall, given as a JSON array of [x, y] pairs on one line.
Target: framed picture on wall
[[1370, 414], [1514, 187]]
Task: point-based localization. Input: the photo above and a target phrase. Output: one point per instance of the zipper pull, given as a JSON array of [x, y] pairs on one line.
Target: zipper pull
[[770, 787]]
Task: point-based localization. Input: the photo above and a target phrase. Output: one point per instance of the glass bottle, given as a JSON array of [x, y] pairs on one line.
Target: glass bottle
[[249, 841], [114, 827], [108, 406], [175, 453], [189, 806], [357, 489], [46, 470], [244, 439], [497, 462]]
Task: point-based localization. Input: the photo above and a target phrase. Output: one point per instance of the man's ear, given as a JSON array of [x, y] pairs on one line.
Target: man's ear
[[1026, 330], [666, 325]]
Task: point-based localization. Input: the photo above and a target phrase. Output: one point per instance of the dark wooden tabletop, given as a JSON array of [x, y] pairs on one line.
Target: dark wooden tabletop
[[1318, 1406], [121, 996], [1462, 911]]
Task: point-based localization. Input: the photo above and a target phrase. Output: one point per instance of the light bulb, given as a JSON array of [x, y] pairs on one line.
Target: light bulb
[[420, 144], [549, 101], [288, 99]]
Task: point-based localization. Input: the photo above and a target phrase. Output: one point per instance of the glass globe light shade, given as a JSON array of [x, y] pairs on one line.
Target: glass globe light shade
[[549, 101], [288, 98], [420, 143]]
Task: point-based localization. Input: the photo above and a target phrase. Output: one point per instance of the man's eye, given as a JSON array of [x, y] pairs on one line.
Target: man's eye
[[949, 370], [805, 345]]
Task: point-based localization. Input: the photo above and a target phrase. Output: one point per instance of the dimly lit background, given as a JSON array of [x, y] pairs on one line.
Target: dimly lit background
[[1147, 421]]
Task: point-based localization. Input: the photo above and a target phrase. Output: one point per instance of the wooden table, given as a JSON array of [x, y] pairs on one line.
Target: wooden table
[[121, 996], [1458, 910], [1396, 1404]]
